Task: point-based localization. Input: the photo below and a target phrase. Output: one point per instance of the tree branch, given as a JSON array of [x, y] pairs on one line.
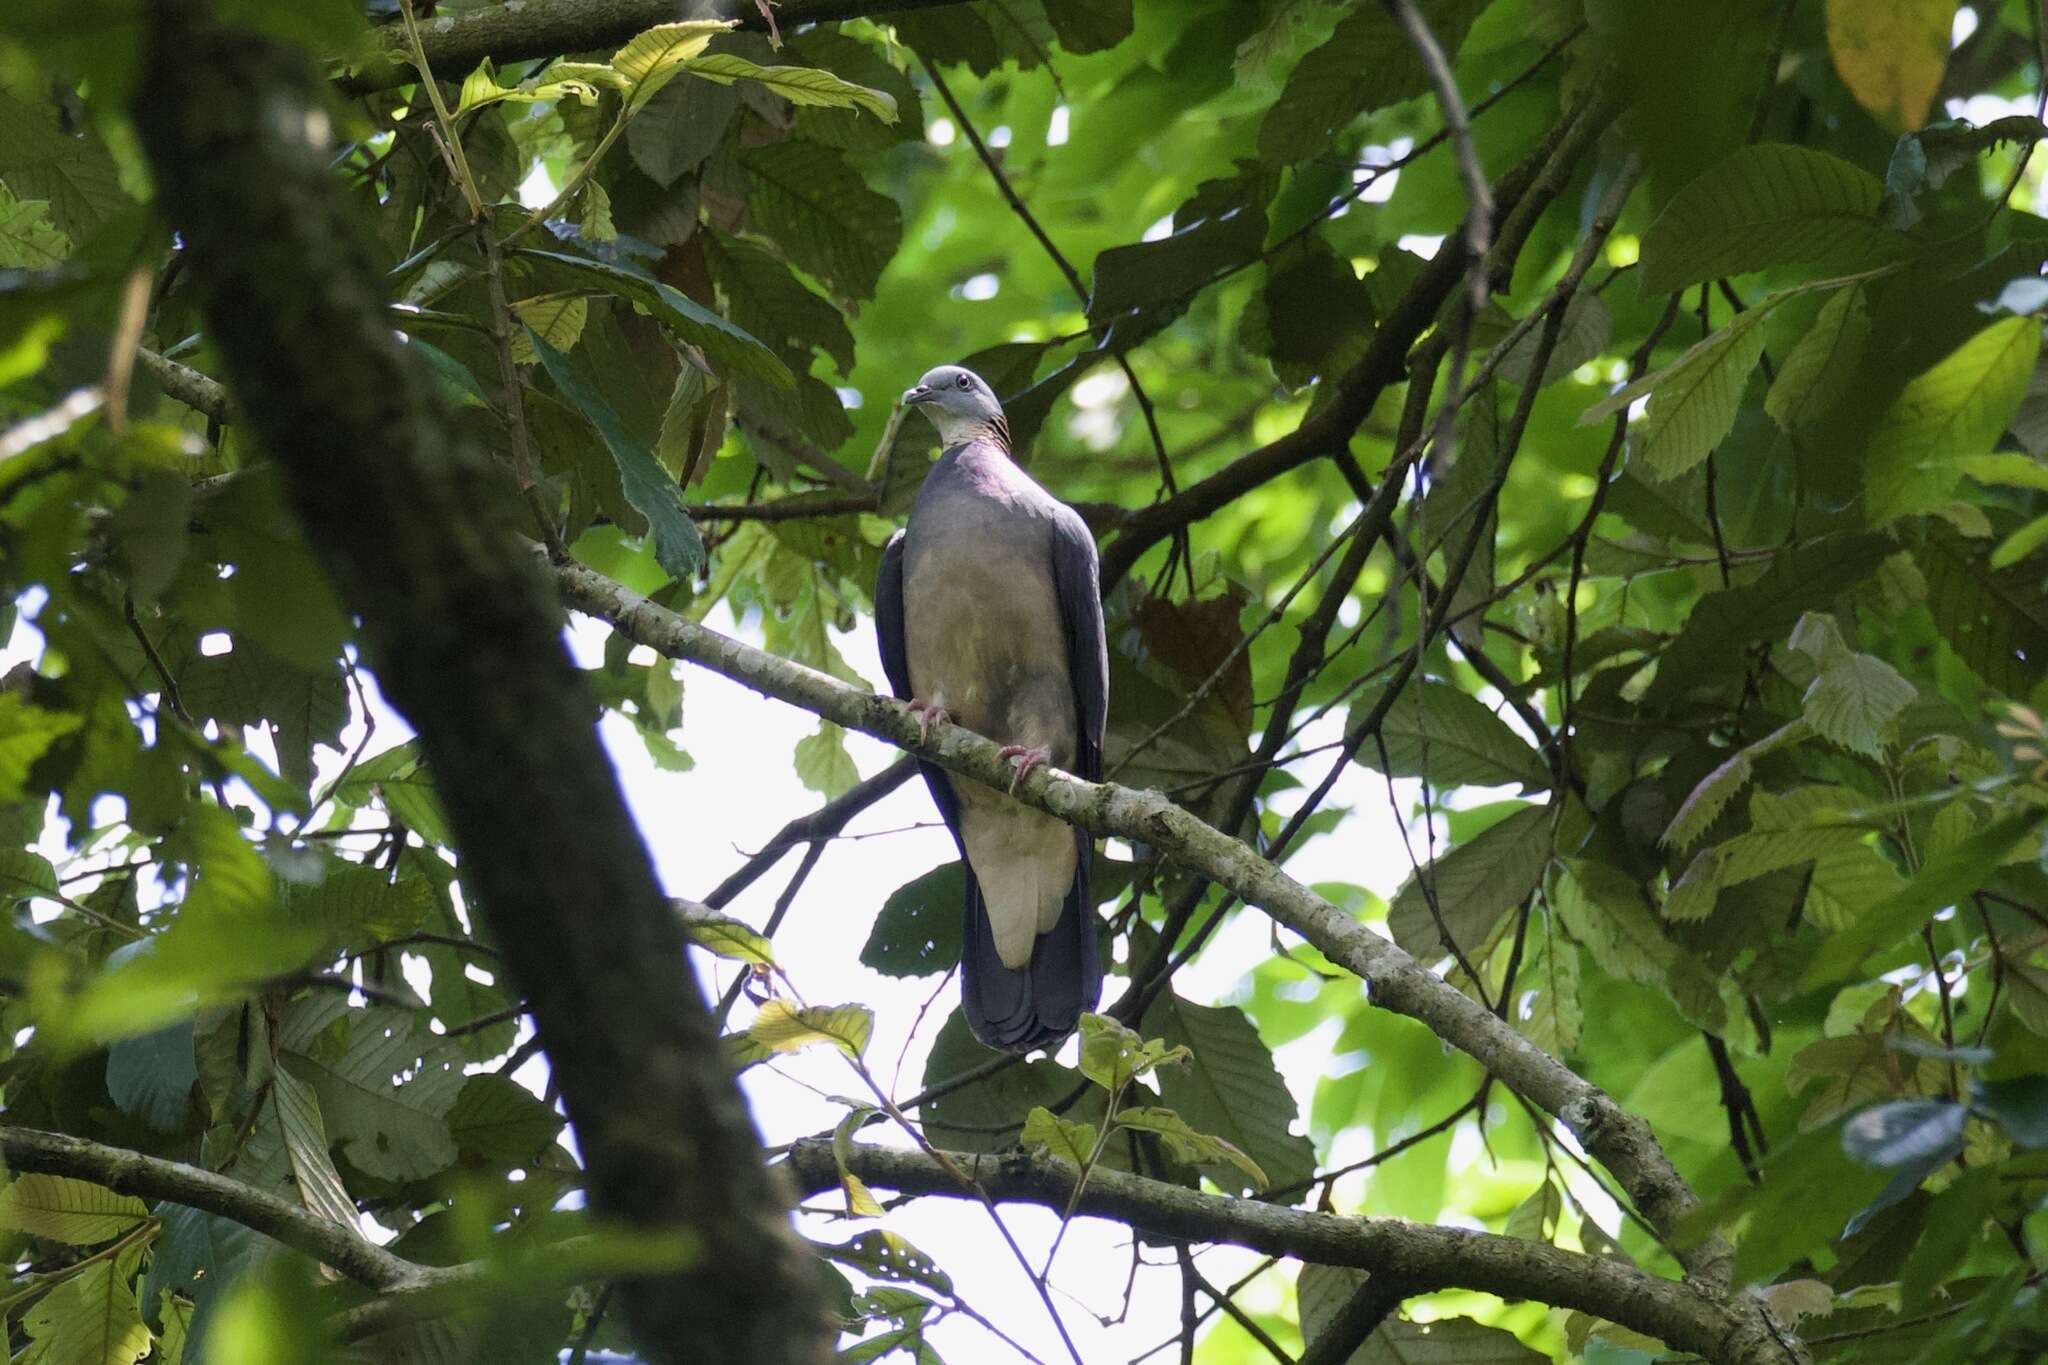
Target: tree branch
[[466, 642], [455, 43], [1618, 1140], [1429, 1258], [124, 1172]]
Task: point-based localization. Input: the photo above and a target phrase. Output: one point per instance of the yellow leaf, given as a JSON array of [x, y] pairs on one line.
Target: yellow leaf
[[1891, 53]]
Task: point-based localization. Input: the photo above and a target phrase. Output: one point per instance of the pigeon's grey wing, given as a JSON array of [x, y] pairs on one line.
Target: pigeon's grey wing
[[889, 617], [896, 663], [1077, 578]]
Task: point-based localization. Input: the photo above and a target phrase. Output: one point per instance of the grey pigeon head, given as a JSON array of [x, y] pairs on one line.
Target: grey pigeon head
[[961, 405]]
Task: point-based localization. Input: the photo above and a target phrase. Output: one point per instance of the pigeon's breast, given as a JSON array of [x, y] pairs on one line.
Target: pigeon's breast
[[983, 634]]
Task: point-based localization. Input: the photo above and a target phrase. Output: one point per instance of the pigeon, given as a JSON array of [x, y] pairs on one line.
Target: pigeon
[[990, 616]]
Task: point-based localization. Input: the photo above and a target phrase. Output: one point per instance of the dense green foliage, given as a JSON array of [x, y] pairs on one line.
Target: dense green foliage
[[1713, 709]]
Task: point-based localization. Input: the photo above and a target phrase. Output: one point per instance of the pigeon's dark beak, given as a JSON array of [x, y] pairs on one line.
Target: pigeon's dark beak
[[912, 397]]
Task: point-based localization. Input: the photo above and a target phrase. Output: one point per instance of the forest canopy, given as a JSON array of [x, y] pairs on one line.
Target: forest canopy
[[1618, 430]]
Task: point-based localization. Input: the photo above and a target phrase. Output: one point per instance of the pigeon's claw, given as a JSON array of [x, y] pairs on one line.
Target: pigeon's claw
[[928, 713], [1023, 759]]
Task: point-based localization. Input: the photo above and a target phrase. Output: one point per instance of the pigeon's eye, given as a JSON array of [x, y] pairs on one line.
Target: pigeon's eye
[[965, 382]]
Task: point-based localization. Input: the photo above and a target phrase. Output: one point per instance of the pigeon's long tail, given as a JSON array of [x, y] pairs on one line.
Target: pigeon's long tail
[[1035, 1007]]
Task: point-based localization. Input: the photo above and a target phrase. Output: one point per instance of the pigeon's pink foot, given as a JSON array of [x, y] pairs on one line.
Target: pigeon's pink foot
[[1023, 759], [928, 714]]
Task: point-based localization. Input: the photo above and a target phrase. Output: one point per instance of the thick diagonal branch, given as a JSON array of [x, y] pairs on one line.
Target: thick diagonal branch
[[1618, 1140], [1427, 1258], [465, 639]]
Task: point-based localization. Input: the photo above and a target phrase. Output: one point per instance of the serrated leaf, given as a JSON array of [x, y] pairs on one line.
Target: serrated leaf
[[290, 1118], [1606, 913], [1063, 1138], [1189, 1146], [781, 1027], [481, 87], [1995, 618], [1764, 206], [806, 85], [92, 1318], [1474, 885], [1703, 805], [1821, 370], [1855, 701], [1439, 732], [557, 320], [1113, 1056], [61, 1209], [28, 239], [1324, 94], [677, 546], [676, 130], [359, 906], [1229, 1086], [73, 174], [1693, 400], [1958, 407], [1891, 53], [1552, 1017], [656, 56], [815, 206], [765, 297], [1942, 880], [918, 930]]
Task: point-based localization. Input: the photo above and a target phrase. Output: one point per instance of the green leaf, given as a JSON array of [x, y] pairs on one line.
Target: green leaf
[[1606, 912], [806, 85], [676, 130], [765, 297], [2021, 543], [1925, 159], [1151, 275], [557, 320], [1811, 1187], [499, 1119], [1475, 884], [152, 1076], [980, 1109], [361, 906], [1959, 407], [92, 1318], [481, 87], [816, 207], [1995, 618], [27, 237], [398, 779], [1189, 1146], [1089, 25], [73, 174], [1943, 880], [61, 1209], [728, 938], [656, 56], [1063, 1138], [1113, 1056], [1822, 371], [822, 763], [918, 930], [1444, 1341], [1444, 734], [1954, 1221], [1231, 1087], [389, 1129], [26, 730], [781, 1027], [1324, 93], [1855, 700], [1765, 206], [688, 319], [677, 546], [1693, 400], [1724, 625], [1703, 805], [289, 1123]]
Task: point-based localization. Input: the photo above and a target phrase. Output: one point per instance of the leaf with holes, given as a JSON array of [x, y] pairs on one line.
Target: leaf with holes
[[385, 1085], [1231, 1088], [918, 930]]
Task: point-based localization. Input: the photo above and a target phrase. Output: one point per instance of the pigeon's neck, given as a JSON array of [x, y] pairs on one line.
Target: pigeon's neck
[[959, 431]]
